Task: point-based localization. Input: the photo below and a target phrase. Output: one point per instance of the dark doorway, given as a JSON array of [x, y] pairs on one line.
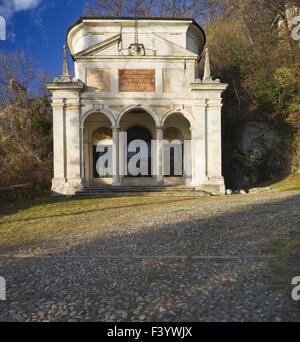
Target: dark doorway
[[96, 156], [139, 133]]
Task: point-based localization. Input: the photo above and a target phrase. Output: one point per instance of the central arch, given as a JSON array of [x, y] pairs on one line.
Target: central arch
[[140, 108], [140, 133], [177, 127], [138, 123]]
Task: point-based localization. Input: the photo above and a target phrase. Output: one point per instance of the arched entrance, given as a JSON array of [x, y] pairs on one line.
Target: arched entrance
[[97, 139], [177, 155], [102, 145], [157, 166], [173, 152], [139, 133], [140, 129]]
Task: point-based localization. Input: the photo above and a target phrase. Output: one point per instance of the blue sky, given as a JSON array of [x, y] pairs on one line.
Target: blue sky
[[39, 27]]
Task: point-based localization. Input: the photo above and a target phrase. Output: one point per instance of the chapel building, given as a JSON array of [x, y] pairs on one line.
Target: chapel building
[[139, 77]]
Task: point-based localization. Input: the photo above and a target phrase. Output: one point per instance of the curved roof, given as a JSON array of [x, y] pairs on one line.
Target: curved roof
[[96, 18]]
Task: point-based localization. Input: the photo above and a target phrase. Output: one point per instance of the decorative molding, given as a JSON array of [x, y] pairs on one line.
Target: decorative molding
[[148, 110], [100, 109], [103, 45], [179, 109], [73, 106]]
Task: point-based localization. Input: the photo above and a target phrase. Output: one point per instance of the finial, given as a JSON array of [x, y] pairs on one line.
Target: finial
[[66, 75], [207, 77]]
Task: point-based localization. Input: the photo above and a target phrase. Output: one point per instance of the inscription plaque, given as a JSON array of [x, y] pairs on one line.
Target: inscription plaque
[[137, 80]]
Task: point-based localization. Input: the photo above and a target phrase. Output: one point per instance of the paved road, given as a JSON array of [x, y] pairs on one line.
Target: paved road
[[194, 259]]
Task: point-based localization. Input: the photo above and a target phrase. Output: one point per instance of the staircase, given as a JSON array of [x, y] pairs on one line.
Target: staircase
[[125, 191]]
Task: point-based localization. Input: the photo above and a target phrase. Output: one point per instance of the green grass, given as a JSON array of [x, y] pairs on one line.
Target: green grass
[[286, 264], [290, 183], [58, 224]]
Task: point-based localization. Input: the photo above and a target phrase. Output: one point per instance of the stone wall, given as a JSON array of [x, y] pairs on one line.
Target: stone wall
[[254, 154], [16, 193]]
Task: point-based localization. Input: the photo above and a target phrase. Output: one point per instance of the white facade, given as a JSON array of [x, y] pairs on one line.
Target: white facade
[[135, 76]]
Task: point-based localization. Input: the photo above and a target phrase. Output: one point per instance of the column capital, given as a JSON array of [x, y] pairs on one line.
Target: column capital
[[58, 106], [115, 128], [200, 104], [58, 103], [214, 103], [74, 105]]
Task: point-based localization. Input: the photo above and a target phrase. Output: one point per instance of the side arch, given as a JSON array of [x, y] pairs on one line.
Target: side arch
[[148, 110], [186, 114], [107, 112]]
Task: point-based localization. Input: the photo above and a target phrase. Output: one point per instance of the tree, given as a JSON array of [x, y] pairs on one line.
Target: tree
[[116, 8], [25, 124], [151, 8], [14, 67]]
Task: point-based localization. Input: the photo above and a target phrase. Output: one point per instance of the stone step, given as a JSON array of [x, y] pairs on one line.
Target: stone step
[[139, 190], [115, 191], [106, 194]]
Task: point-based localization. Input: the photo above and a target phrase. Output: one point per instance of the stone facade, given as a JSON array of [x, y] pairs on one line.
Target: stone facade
[[132, 75]]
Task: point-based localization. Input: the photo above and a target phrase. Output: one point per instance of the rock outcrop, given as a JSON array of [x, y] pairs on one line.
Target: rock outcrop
[[254, 153]]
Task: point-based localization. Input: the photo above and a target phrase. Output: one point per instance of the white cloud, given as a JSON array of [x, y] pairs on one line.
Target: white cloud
[[23, 5], [9, 7]]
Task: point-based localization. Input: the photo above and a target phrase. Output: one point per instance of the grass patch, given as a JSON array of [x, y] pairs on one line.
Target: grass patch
[[58, 224], [287, 263], [290, 183]]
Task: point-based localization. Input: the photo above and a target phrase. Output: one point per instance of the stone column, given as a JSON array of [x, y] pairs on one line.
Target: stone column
[[115, 156], [91, 164], [73, 148], [159, 156], [86, 155], [82, 168], [214, 144], [198, 158], [214, 152], [198, 134], [122, 155], [59, 153], [207, 110], [66, 133]]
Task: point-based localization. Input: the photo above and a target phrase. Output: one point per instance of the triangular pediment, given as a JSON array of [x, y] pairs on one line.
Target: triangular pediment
[[166, 47], [99, 47], [109, 47]]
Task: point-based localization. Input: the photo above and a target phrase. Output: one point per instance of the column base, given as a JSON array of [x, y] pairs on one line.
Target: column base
[[116, 181], [211, 184], [63, 186], [159, 180], [198, 181]]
